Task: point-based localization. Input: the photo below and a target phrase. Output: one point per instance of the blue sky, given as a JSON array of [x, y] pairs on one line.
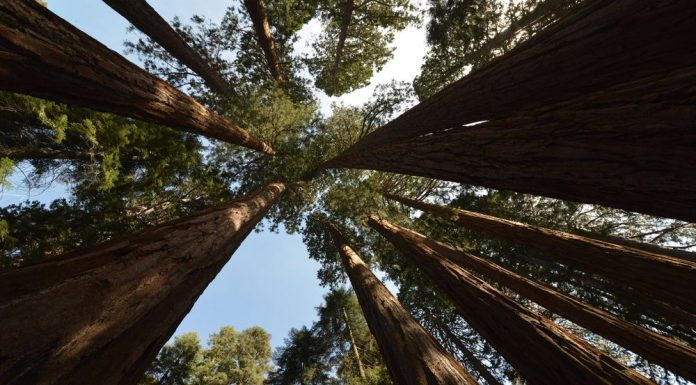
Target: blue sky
[[270, 281]]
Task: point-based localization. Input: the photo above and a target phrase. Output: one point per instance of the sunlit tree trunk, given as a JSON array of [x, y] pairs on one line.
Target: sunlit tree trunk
[[540, 350], [411, 354], [599, 45], [642, 270], [100, 316], [354, 346], [147, 20], [44, 56], [257, 13]]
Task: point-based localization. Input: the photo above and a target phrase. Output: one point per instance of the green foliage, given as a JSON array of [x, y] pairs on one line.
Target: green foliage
[[354, 43], [231, 358]]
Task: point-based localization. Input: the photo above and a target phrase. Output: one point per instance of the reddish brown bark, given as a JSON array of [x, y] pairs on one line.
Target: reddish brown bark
[[656, 348], [412, 356], [601, 44], [146, 19], [44, 56], [257, 13], [100, 316], [630, 147], [642, 270], [540, 350]]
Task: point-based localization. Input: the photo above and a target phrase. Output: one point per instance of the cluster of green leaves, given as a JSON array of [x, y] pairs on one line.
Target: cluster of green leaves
[[230, 357], [325, 352]]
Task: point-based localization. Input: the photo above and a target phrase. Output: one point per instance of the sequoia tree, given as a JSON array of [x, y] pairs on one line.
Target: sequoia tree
[[257, 13], [100, 315], [146, 19], [45, 56], [632, 267], [566, 358], [411, 354]]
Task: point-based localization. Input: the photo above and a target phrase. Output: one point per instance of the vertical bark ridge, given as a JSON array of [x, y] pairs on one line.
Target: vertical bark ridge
[[412, 356], [42, 55], [146, 19], [629, 147], [543, 352], [642, 270], [600, 44], [101, 315]]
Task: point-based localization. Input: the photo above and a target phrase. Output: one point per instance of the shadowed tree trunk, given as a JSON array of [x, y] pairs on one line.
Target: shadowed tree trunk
[[356, 353], [412, 356], [541, 351], [257, 13], [42, 55], [601, 44], [654, 347], [466, 353], [100, 316], [642, 270], [347, 8], [147, 20], [630, 147]]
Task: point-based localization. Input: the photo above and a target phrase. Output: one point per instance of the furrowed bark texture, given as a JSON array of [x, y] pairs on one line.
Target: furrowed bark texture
[[146, 19], [411, 354], [602, 43], [642, 270], [540, 350], [630, 147], [42, 55], [654, 347], [257, 13], [100, 316]]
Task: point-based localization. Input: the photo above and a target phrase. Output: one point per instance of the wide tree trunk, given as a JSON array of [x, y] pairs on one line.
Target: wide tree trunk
[[540, 350], [642, 270], [412, 356], [601, 44], [257, 13], [654, 347], [147, 20], [100, 316], [630, 147], [44, 56]]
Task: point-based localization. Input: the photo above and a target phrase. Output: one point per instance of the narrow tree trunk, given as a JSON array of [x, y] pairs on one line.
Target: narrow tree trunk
[[44, 56], [630, 147], [27, 153], [411, 354], [601, 44], [257, 13], [361, 368], [468, 355], [642, 270], [540, 350], [656, 348], [100, 316], [347, 8], [147, 20]]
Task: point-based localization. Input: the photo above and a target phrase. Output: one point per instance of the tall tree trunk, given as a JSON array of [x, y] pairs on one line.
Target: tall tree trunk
[[630, 147], [347, 8], [147, 20], [44, 56], [101, 315], [412, 356], [257, 13], [601, 44], [28, 153], [468, 355], [642, 270], [654, 347], [528, 341], [361, 368]]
